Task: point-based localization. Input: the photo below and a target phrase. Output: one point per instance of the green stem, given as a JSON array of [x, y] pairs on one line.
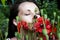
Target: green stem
[[26, 37], [54, 17], [21, 32], [42, 12], [47, 37], [58, 23], [29, 35], [58, 33], [41, 38], [2, 36]]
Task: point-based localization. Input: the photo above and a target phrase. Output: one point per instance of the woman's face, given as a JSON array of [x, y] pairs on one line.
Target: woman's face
[[27, 10]]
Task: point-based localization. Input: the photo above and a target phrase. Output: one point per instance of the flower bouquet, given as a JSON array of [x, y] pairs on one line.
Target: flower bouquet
[[40, 29]]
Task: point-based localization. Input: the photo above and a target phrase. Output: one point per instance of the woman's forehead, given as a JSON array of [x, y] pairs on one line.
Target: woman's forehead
[[28, 6], [26, 3]]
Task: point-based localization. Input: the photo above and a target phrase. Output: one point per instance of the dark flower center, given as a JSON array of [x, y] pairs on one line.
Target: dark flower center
[[41, 25]]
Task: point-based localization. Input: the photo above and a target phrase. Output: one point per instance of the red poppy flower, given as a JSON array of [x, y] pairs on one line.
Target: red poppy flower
[[23, 24], [19, 26], [47, 22], [44, 38], [54, 29], [48, 26], [39, 25], [40, 20], [49, 31]]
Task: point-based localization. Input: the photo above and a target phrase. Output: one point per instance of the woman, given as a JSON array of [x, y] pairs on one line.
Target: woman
[[25, 10]]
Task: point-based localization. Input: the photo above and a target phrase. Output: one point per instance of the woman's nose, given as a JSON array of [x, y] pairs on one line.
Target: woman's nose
[[35, 17]]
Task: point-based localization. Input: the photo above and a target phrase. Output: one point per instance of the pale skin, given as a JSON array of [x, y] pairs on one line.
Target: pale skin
[[27, 10]]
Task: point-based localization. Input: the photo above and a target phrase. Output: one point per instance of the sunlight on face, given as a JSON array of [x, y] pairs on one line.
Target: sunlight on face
[[27, 10]]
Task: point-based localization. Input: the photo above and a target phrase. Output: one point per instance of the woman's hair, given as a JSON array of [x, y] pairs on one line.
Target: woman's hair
[[13, 13]]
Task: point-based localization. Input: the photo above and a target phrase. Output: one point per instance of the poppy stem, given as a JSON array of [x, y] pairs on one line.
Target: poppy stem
[[21, 32], [47, 37], [58, 33], [58, 23], [26, 37], [41, 38]]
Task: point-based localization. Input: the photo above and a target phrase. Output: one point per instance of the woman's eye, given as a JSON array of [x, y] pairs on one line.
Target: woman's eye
[[26, 14], [37, 14]]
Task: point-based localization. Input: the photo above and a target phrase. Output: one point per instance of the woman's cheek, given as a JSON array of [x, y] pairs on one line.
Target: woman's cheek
[[28, 19]]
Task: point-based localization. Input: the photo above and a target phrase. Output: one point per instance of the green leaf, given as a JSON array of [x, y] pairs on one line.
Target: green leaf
[[58, 17], [17, 18], [17, 35], [58, 34], [7, 19], [3, 2], [6, 33]]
